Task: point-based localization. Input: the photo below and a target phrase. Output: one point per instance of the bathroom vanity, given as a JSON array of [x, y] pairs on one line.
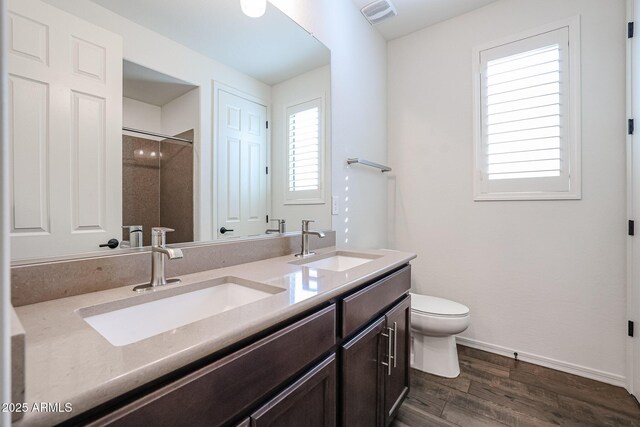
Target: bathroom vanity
[[171, 125], [329, 342]]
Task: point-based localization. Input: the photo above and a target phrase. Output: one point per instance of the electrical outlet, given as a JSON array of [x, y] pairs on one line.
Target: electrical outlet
[[334, 205]]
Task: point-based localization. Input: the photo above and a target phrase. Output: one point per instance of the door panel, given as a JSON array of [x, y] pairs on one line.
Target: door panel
[[232, 195], [30, 39], [398, 322], [88, 162], [310, 401], [242, 162], [29, 102], [362, 380], [65, 112]]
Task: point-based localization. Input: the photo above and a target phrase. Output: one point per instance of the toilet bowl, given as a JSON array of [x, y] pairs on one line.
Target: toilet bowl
[[434, 323]]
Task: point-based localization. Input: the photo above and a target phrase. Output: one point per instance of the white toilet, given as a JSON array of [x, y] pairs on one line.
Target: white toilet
[[434, 323]]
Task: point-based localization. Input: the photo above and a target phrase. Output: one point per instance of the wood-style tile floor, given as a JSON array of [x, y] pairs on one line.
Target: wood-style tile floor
[[494, 390]]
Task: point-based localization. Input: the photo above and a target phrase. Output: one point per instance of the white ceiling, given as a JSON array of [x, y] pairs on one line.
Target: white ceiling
[[150, 86], [272, 48], [415, 15]]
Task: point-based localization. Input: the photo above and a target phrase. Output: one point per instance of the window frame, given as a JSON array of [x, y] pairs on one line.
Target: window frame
[[572, 123], [310, 197]]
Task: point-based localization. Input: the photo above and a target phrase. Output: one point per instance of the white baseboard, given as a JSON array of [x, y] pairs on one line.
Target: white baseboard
[[583, 371]]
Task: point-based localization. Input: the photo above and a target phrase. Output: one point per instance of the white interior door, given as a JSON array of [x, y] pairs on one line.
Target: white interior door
[[633, 259], [242, 163], [65, 137]]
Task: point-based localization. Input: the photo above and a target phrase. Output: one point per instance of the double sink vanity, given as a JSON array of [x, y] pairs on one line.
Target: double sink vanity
[[172, 120], [279, 340]]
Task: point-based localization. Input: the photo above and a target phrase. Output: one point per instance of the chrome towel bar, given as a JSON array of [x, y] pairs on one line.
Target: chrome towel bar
[[382, 168]]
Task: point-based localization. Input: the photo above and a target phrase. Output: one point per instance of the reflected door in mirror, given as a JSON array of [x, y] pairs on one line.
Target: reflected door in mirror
[[242, 164], [65, 111]]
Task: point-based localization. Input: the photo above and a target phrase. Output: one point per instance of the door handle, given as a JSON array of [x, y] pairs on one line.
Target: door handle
[[112, 244], [224, 230]]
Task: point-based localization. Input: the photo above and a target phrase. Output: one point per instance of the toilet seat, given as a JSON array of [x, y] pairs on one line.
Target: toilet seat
[[425, 304]]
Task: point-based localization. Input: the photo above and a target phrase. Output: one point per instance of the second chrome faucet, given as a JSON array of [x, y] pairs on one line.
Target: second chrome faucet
[[281, 227], [158, 251], [305, 251]]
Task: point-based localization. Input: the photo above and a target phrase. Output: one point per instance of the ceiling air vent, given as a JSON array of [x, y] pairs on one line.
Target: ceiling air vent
[[378, 11]]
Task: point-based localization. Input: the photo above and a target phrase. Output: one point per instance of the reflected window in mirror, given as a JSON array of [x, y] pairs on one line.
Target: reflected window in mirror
[[305, 142]]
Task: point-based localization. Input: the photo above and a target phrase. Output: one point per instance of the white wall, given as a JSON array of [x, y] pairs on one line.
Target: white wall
[[140, 115], [358, 92], [544, 278], [305, 87], [182, 114], [176, 116]]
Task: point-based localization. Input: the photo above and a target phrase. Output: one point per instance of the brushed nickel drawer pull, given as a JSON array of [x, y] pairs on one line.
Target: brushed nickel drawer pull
[[389, 357], [395, 344]]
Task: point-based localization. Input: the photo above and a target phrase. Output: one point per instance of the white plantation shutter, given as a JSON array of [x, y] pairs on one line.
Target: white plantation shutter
[[304, 151], [526, 145]]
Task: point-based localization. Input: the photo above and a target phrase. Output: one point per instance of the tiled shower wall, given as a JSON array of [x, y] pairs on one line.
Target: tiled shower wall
[[157, 186], [176, 189], [140, 184]]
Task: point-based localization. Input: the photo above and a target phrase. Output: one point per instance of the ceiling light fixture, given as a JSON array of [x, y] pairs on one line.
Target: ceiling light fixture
[[253, 8]]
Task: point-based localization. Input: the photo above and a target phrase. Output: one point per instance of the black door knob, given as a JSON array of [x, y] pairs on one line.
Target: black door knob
[[224, 230], [112, 243]]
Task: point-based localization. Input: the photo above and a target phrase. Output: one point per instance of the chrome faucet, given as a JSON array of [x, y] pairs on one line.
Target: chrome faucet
[[281, 227], [158, 251], [135, 237], [305, 238]]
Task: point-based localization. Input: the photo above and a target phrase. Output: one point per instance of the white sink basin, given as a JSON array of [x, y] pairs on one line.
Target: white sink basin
[[336, 261], [140, 317]]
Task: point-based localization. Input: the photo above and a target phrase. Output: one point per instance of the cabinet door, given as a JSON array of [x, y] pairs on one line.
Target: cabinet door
[[310, 401], [398, 322], [362, 377]]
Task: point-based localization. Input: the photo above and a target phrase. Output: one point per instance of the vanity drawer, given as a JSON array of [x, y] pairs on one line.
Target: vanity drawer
[[219, 392], [361, 307]]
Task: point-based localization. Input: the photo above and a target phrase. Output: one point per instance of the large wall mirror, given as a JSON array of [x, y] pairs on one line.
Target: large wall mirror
[[186, 114]]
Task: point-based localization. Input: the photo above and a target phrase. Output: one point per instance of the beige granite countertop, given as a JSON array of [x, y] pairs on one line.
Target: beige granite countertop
[[67, 361]]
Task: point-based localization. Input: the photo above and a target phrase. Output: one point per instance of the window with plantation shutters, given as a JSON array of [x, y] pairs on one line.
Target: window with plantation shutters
[[527, 134], [304, 152]]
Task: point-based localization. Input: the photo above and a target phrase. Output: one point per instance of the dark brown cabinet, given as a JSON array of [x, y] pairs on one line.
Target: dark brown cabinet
[[363, 306], [221, 391], [362, 377], [309, 402], [375, 375], [398, 321], [343, 363]]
